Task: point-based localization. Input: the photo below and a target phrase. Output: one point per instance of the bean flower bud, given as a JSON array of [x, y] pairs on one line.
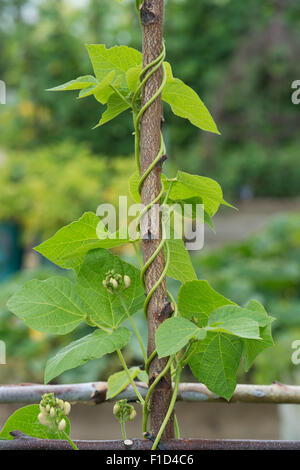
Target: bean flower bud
[[62, 425], [67, 408], [116, 409], [52, 412], [114, 283], [132, 414], [127, 281], [123, 411], [43, 419], [60, 403]]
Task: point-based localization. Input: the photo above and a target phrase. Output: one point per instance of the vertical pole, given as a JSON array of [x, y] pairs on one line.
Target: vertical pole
[[158, 311]]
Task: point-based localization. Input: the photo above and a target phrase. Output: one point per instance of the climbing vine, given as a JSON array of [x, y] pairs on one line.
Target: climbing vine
[[206, 331]]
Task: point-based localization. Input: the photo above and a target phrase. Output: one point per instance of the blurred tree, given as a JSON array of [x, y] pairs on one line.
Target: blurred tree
[[245, 50], [46, 188]]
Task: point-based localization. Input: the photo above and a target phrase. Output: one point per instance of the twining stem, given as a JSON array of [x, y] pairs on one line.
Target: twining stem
[[122, 360], [150, 390], [134, 327], [150, 359], [69, 440], [171, 406]]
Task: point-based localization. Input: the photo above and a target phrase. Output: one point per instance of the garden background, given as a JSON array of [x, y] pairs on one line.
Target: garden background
[[242, 57]]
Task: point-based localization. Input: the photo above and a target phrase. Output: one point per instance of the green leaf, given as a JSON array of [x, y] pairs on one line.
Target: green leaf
[[189, 186], [185, 103], [173, 334], [253, 348], [92, 346], [50, 306], [77, 84], [258, 313], [143, 376], [117, 382], [102, 91], [133, 77], [180, 266], [118, 58], [26, 421], [115, 106], [197, 300], [187, 209], [74, 240], [215, 362], [234, 320], [107, 309], [169, 72]]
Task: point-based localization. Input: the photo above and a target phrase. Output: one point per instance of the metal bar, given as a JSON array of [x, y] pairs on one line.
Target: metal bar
[[193, 392], [25, 443]]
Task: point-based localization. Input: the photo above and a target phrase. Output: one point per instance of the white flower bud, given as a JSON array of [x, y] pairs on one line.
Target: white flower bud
[[52, 412], [42, 408], [62, 425], [48, 408], [116, 409], [104, 283], [114, 283], [67, 408], [132, 414], [127, 281], [43, 419]]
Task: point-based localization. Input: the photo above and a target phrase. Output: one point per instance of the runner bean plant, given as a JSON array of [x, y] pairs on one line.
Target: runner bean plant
[[207, 332]]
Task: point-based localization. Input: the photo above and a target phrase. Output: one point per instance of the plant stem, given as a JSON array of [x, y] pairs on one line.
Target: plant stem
[[176, 425], [122, 360], [187, 355], [123, 430], [150, 359], [134, 327], [69, 440], [150, 390], [171, 407]]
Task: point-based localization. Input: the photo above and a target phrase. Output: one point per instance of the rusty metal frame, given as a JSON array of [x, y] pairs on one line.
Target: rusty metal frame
[[22, 442]]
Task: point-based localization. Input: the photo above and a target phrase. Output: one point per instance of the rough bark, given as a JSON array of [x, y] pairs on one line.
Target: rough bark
[[152, 23]]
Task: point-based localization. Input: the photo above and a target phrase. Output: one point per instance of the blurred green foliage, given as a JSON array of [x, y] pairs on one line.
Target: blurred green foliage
[[250, 165], [240, 56], [48, 187], [265, 267]]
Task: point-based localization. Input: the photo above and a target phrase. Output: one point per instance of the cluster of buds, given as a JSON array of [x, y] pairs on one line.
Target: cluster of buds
[[114, 281], [123, 411], [53, 411]]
